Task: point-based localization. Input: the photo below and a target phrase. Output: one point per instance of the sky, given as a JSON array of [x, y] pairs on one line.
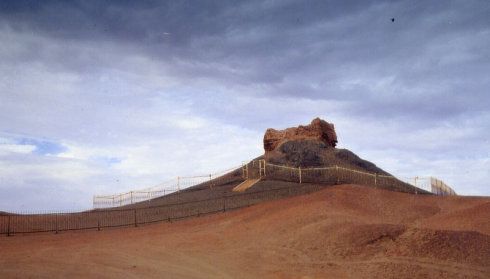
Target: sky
[[101, 97]]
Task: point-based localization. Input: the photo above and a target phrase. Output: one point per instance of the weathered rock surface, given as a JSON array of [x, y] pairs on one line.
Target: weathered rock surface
[[318, 129], [311, 146]]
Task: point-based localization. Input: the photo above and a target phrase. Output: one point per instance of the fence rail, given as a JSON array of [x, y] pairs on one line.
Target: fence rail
[[261, 168], [162, 189], [337, 174], [99, 219], [431, 184], [309, 179]]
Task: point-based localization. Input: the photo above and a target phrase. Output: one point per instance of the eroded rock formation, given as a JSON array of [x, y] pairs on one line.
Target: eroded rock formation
[[319, 130], [311, 146]]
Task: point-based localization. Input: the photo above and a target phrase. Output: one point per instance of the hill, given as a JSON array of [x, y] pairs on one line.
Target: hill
[[309, 146], [312, 145], [303, 154], [343, 231]]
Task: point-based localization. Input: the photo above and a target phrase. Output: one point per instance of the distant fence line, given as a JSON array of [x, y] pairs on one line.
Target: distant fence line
[[431, 184], [263, 169], [346, 175], [162, 189]]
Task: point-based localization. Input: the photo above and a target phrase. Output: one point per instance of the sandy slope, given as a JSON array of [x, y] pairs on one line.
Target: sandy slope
[[344, 231]]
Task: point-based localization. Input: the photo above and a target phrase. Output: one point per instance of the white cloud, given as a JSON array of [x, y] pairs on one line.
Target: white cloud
[[16, 148]]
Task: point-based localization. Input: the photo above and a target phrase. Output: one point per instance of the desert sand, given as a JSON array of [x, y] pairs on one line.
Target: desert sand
[[344, 231]]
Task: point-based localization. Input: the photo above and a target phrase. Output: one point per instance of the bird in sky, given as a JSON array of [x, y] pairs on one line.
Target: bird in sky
[[392, 19]]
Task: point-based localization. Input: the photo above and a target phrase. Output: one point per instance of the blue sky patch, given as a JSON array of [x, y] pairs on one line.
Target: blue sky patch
[[107, 160], [43, 147]]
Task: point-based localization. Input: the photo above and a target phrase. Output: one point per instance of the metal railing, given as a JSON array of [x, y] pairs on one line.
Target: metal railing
[[337, 175], [431, 184], [179, 206], [162, 189], [261, 168], [12, 224]]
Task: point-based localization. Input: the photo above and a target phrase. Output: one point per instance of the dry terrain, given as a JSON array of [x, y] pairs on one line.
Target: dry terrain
[[344, 231]]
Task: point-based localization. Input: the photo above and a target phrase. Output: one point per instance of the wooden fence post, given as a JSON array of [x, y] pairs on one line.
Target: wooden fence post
[[375, 179], [8, 226], [261, 168], [56, 223], [245, 171], [135, 221], [337, 173], [224, 201], [299, 169]]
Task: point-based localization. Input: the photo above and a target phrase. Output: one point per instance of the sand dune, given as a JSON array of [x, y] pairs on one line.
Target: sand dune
[[344, 231]]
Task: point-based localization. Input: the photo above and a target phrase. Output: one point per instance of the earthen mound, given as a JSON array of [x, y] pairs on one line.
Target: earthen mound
[[311, 146]]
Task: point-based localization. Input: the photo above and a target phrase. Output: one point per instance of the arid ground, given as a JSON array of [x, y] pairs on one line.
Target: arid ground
[[344, 231]]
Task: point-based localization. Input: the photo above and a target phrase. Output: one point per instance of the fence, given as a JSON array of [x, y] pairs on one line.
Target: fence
[[162, 189], [261, 168], [177, 207], [337, 175], [431, 184], [99, 219]]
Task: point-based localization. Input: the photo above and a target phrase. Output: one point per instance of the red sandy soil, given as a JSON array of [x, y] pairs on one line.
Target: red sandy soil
[[344, 231]]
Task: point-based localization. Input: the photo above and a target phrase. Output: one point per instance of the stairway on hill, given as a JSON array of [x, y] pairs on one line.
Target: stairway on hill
[[245, 185]]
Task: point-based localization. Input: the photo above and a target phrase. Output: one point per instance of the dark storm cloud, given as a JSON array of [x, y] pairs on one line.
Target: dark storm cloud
[[143, 21], [430, 64], [434, 50]]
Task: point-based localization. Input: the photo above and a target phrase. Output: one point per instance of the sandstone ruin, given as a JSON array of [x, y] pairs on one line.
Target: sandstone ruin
[[318, 129], [313, 145]]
